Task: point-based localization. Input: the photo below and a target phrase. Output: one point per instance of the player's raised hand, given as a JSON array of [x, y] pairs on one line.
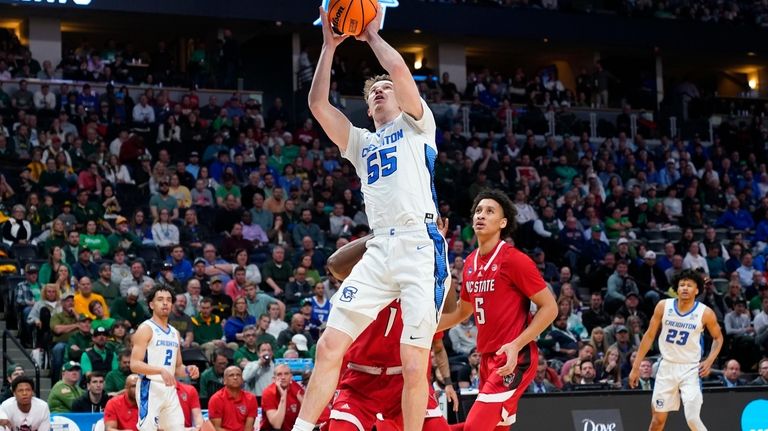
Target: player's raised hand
[[633, 378], [168, 378], [373, 27], [511, 351], [330, 38]]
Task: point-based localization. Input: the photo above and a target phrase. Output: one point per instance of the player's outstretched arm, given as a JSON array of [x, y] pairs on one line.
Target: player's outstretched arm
[[646, 343], [333, 122], [140, 341], [710, 322], [342, 261], [406, 91]]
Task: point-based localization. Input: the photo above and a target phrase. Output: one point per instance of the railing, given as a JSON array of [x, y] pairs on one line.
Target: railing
[[6, 359]]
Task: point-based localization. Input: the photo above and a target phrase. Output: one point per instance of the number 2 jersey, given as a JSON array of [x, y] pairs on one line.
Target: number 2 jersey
[[163, 349], [680, 340], [396, 165], [499, 286]]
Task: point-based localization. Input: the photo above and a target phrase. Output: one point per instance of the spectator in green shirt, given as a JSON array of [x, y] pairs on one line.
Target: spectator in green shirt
[[115, 380], [212, 379], [80, 340], [93, 240], [207, 328], [66, 390], [85, 210], [98, 357], [122, 238], [129, 309], [228, 188]]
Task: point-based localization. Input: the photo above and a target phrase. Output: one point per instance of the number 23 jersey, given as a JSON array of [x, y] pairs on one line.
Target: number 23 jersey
[[396, 166], [499, 286], [680, 340]]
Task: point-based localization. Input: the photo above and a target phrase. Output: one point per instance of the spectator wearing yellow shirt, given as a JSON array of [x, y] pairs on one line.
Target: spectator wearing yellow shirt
[[85, 296]]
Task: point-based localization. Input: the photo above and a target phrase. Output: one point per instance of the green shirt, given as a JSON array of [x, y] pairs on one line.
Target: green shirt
[[260, 305], [120, 309], [62, 319], [95, 242], [110, 291], [83, 341], [126, 241], [205, 332], [222, 192], [163, 203], [115, 381], [62, 396], [106, 322], [85, 361], [206, 380]]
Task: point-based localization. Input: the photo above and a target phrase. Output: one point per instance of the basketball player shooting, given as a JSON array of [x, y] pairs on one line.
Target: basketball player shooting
[[156, 357], [406, 259], [681, 321]]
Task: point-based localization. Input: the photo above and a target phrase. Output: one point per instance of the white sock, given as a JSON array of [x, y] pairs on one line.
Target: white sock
[[302, 425]]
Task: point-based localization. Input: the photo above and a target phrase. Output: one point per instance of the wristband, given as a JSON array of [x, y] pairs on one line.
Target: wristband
[[447, 381]]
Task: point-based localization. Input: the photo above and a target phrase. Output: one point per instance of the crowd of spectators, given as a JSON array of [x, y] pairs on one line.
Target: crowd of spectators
[[742, 12], [236, 210], [122, 62]]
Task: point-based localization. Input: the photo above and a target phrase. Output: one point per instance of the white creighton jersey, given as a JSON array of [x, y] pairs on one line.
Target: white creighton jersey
[[680, 339], [396, 166], [163, 348]]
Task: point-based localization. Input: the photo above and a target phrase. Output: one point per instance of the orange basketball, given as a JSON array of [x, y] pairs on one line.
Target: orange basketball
[[351, 16]]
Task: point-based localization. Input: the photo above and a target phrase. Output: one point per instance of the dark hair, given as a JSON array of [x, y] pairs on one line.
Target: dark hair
[[22, 379], [688, 274], [125, 353], [506, 206], [206, 300], [220, 352], [160, 288], [93, 374], [238, 269], [584, 361], [261, 344]]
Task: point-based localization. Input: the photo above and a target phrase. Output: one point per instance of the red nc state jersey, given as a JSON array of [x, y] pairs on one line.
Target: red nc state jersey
[[499, 286], [379, 344]]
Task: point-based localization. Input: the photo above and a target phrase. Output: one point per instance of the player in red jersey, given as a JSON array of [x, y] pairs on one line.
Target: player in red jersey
[[371, 384], [499, 284]]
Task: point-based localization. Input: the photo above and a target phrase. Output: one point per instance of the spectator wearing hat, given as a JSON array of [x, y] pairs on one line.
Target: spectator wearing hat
[[10, 375], [28, 292], [95, 398], [24, 411], [64, 393], [80, 340], [99, 357], [129, 309], [121, 412], [222, 303], [166, 277], [651, 281], [84, 267], [623, 343], [85, 296], [624, 251], [122, 238], [64, 324], [17, 230]]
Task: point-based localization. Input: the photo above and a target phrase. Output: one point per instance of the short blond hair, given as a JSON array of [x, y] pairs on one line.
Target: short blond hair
[[373, 80]]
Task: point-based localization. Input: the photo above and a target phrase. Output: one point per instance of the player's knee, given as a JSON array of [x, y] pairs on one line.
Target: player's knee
[[694, 423], [657, 422], [414, 363]]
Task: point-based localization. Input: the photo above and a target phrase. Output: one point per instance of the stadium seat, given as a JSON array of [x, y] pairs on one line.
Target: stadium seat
[[653, 234], [24, 252], [149, 254]]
